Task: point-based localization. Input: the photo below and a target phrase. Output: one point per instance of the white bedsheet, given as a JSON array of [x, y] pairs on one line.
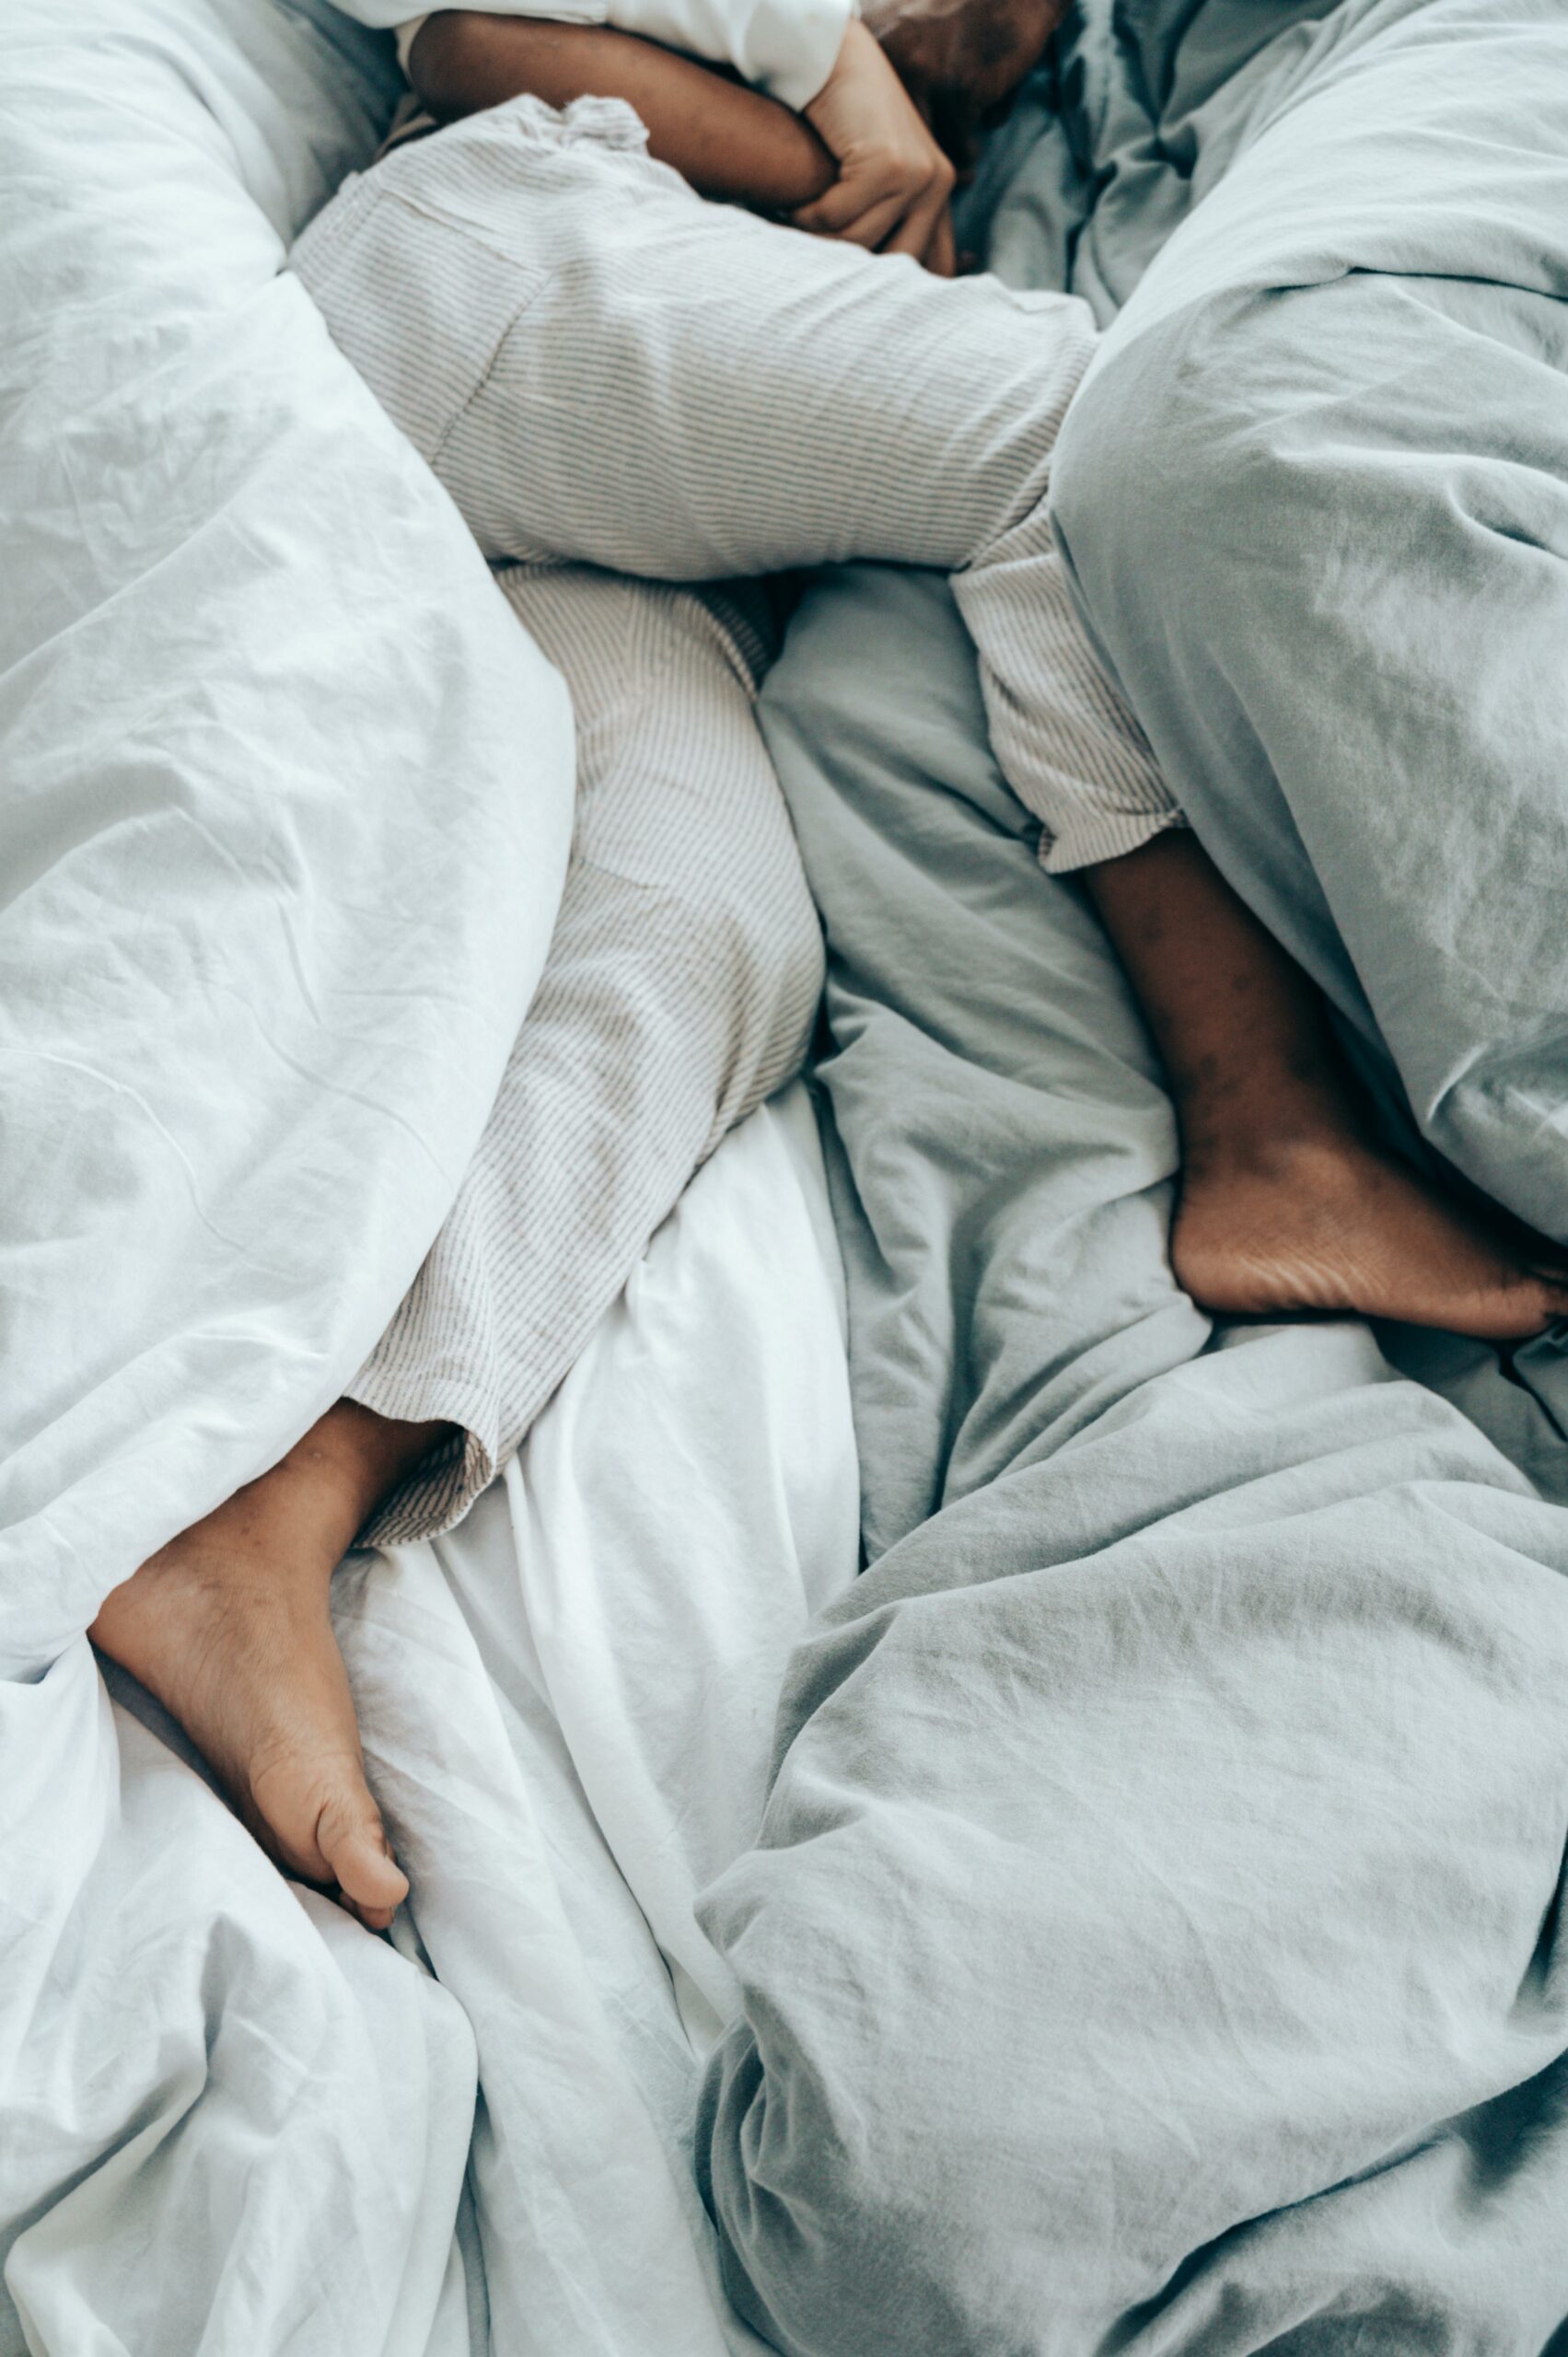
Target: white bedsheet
[[244, 2123]]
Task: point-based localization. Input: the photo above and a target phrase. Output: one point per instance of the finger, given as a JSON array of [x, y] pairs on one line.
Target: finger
[[921, 230], [836, 211], [942, 253], [872, 227], [906, 183]]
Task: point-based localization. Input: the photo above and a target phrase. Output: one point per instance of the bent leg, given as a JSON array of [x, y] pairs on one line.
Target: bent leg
[[1149, 1942], [1288, 1201], [1364, 710], [678, 994], [602, 367]]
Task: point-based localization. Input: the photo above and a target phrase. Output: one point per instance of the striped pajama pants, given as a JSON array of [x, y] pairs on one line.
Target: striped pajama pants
[[613, 378]]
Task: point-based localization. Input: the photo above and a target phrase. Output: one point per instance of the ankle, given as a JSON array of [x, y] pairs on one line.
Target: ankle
[[1282, 1135], [356, 1458]]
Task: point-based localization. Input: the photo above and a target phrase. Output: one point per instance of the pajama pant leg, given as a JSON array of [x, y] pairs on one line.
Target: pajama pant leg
[[679, 992], [601, 367]]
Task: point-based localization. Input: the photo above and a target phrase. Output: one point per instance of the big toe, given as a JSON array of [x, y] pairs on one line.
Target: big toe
[[354, 1842], [327, 1829], [1554, 1282], [1547, 1292]]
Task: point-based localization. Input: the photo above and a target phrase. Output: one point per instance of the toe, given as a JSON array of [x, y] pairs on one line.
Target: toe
[[1554, 1297], [358, 1856]]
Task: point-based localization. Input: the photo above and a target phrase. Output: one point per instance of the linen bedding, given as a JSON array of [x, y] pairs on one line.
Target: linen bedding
[[234, 2123], [285, 801], [286, 794], [1152, 1941]]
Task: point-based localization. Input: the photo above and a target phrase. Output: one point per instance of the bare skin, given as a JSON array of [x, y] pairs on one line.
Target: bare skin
[[873, 161], [862, 163], [1288, 1203], [743, 149], [229, 1627]]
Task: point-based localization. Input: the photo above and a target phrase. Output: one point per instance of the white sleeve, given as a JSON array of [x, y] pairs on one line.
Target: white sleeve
[[785, 47]]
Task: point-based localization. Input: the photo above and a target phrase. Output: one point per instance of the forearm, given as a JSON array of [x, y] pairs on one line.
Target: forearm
[[729, 142]]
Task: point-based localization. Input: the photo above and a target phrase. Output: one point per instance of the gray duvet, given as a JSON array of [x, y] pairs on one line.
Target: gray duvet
[[1153, 1942]]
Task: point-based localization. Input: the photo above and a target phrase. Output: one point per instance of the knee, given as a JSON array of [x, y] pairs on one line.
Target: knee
[[1164, 471], [1281, 504], [1263, 453], [1225, 507]]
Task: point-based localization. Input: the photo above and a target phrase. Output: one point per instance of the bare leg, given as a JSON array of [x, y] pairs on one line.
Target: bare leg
[[1287, 1201], [229, 1627]]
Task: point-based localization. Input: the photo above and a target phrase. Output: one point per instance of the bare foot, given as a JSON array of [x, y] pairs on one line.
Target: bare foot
[[229, 1627], [1328, 1223], [1287, 1204]]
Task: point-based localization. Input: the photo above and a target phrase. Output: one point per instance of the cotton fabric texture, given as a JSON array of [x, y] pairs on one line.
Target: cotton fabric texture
[[1152, 1941], [786, 47], [679, 993], [287, 798], [599, 364], [1346, 372], [601, 367]]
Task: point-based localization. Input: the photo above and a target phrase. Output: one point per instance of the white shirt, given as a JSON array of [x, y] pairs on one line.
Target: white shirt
[[785, 47]]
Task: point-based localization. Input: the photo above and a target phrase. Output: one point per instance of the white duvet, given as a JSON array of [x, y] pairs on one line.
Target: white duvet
[[244, 2124], [285, 801], [284, 793]]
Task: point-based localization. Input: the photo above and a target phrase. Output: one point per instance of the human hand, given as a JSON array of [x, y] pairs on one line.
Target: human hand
[[893, 179]]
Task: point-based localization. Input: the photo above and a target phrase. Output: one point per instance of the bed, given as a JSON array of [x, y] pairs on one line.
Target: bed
[[231, 2121], [1150, 1942], [1153, 1938], [260, 2129]]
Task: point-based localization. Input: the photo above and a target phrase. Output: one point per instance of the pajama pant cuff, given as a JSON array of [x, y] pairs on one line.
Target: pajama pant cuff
[[441, 1487], [1099, 835]]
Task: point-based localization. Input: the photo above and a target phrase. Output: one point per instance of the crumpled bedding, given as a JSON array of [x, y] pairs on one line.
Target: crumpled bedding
[[1152, 1941], [1151, 1944], [236, 2123], [284, 797], [285, 804], [286, 794], [1337, 396]]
